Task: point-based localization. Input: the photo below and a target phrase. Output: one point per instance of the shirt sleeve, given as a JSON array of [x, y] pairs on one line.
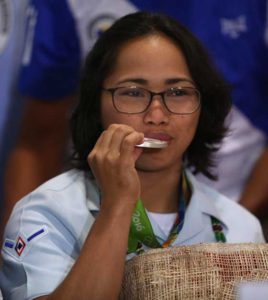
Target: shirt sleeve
[[38, 252], [52, 58]]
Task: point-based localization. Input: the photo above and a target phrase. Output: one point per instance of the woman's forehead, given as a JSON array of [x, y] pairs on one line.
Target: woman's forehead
[[153, 57]]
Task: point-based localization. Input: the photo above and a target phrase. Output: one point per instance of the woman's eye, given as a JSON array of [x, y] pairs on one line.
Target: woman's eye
[[134, 93], [177, 93]]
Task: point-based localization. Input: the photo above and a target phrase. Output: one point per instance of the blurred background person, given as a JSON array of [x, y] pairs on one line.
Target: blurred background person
[[235, 34], [12, 27], [58, 36]]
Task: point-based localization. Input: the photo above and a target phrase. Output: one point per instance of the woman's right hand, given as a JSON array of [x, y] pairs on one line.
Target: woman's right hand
[[112, 162]]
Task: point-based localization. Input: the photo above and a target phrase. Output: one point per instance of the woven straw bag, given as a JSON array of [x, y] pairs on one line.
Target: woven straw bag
[[203, 271]]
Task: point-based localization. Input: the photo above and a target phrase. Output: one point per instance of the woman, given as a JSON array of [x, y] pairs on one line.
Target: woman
[[146, 77]]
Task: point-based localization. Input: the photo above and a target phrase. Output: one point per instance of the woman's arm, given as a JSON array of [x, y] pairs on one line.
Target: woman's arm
[[98, 272], [255, 194]]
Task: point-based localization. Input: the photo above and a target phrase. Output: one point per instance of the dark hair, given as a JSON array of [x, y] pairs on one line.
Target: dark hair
[[215, 98]]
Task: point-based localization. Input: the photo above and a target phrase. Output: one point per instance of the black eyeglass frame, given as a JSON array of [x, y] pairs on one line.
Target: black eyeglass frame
[[152, 94]]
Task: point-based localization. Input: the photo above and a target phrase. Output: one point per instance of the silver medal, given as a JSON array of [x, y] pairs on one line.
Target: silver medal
[[152, 143]]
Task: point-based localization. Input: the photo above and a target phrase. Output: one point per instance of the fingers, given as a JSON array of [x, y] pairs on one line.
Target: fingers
[[112, 162], [118, 138], [117, 141], [119, 134], [128, 148]]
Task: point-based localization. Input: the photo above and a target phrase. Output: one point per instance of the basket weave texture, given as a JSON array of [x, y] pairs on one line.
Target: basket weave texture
[[203, 271]]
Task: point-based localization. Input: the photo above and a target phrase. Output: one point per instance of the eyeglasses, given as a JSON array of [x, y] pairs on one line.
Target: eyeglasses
[[136, 100]]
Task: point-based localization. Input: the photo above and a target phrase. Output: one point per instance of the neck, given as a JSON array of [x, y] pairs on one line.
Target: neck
[[160, 190]]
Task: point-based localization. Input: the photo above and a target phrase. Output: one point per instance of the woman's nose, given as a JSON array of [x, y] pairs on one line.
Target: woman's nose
[[157, 112]]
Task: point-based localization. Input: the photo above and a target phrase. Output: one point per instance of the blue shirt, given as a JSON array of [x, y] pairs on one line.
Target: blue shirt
[[60, 34], [59, 39], [235, 33]]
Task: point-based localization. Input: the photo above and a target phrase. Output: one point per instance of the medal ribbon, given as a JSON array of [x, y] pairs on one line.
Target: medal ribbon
[[141, 230]]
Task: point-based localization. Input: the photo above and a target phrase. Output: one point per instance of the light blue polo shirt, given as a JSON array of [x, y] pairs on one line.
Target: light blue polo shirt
[[47, 230]]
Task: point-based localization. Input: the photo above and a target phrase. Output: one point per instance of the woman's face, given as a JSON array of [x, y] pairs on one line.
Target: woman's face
[[157, 64]]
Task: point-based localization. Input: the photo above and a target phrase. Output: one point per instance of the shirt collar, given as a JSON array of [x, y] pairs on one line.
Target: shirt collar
[[207, 199], [203, 202]]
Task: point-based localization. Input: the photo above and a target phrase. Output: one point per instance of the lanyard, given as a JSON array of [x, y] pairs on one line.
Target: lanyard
[[218, 230], [141, 231]]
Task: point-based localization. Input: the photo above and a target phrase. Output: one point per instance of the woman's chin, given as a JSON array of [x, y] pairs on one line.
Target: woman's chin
[[156, 165]]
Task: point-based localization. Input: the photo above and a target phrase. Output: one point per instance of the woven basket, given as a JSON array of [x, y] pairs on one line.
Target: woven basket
[[204, 271]]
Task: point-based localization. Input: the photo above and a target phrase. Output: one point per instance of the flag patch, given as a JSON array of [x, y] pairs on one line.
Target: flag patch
[[20, 246]]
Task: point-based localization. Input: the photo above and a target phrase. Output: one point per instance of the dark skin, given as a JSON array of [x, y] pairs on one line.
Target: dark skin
[[255, 194], [126, 173]]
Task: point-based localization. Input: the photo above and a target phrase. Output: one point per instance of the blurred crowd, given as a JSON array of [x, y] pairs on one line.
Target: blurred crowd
[[43, 44]]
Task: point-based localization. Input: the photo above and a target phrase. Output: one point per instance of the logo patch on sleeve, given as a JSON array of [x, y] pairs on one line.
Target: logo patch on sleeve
[[20, 246]]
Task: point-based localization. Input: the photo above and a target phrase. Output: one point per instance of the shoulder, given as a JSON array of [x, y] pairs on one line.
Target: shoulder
[[241, 225], [47, 227], [57, 189], [59, 206]]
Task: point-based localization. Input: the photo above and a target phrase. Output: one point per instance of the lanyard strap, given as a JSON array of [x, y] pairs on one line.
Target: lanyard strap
[[141, 231], [218, 230]]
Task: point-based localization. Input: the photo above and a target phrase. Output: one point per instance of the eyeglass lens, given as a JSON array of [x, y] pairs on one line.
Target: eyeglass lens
[[181, 100]]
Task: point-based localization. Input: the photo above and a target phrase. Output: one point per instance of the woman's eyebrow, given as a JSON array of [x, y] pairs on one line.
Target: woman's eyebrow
[[178, 80], [143, 81], [134, 80]]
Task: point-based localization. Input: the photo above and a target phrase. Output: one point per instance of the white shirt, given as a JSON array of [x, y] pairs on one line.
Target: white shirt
[[47, 230], [238, 154], [164, 221]]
